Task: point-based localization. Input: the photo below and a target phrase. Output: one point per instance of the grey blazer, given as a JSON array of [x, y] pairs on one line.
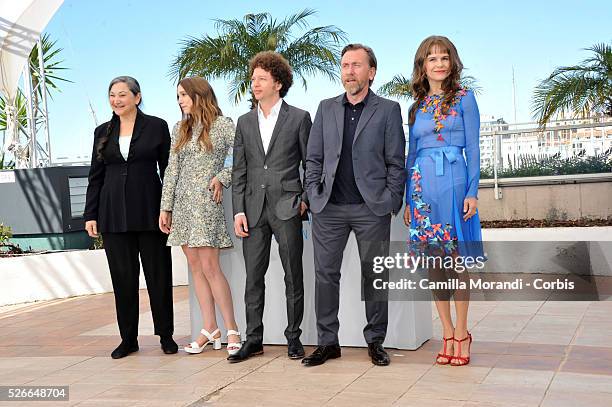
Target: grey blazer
[[274, 175], [378, 154]]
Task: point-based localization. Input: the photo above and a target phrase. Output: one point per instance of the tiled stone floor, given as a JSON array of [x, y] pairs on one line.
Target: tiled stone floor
[[550, 354]]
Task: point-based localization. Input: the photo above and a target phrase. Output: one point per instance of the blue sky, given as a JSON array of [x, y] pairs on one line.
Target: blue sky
[[102, 40]]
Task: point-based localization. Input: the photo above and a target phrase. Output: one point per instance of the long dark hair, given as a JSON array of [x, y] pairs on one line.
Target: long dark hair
[[420, 84], [134, 87]]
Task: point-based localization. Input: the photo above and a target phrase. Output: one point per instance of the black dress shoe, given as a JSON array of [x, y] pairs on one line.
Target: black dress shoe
[[249, 348], [168, 345], [379, 355], [321, 354], [295, 349], [124, 349]]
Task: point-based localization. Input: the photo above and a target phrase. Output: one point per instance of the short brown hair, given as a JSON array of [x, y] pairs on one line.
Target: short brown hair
[[278, 67], [354, 47]]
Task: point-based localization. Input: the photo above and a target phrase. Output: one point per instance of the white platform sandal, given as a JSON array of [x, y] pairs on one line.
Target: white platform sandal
[[233, 347], [194, 347]]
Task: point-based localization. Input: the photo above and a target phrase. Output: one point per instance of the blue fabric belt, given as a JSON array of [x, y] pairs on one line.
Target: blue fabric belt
[[438, 153]]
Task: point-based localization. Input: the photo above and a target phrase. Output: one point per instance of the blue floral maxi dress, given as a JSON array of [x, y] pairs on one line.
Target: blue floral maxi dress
[[440, 177]]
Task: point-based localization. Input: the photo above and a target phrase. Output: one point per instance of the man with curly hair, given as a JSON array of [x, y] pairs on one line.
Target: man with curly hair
[[268, 198]]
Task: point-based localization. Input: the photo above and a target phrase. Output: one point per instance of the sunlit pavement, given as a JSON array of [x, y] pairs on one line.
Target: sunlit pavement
[[524, 354]]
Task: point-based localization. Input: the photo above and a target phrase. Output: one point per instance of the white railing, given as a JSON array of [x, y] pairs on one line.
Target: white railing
[[567, 137]]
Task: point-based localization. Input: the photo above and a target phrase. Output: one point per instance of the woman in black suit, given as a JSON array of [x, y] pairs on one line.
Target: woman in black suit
[[122, 204]]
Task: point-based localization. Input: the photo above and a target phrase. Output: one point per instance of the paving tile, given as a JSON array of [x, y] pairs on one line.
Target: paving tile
[[492, 393], [588, 359], [555, 353], [519, 378], [490, 335], [94, 402], [409, 372], [271, 397], [377, 386], [581, 382], [483, 360], [590, 334], [212, 379], [61, 378], [109, 377], [503, 322], [549, 363], [148, 392], [140, 362], [20, 377], [561, 337], [350, 399], [564, 308], [432, 389], [553, 323], [13, 351], [447, 373], [414, 357], [80, 391], [536, 349], [96, 363], [324, 382], [560, 398], [516, 308], [409, 401]]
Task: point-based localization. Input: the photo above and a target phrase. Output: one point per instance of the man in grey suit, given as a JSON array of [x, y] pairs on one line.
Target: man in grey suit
[[268, 198], [355, 180]]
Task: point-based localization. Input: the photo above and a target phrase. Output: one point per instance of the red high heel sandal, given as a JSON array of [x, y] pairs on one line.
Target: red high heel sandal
[[463, 359], [448, 356]]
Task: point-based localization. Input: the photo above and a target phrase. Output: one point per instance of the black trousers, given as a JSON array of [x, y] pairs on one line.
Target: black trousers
[[256, 250], [122, 252], [330, 232]]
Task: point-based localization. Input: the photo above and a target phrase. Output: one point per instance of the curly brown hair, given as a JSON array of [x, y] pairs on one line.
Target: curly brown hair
[[419, 82], [278, 67]]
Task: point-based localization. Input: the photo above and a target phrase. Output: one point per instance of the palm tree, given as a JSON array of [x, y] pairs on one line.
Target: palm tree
[[580, 89], [400, 87], [52, 66], [315, 51], [20, 108]]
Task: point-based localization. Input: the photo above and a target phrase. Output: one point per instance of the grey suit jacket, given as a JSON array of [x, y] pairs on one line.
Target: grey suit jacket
[[378, 154], [274, 175]]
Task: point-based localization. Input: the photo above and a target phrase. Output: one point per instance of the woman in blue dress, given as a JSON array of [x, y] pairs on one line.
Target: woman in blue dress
[[443, 173]]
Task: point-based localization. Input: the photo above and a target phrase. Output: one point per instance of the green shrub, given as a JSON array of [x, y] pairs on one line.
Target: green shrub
[[5, 233], [532, 166], [98, 243]]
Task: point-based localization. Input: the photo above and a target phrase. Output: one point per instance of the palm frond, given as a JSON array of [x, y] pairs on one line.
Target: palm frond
[[19, 103], [471, 83], [578, 90], [226, 55], [51, 65], [398, 87]]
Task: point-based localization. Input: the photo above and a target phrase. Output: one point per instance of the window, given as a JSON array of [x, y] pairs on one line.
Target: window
[[78, 190]]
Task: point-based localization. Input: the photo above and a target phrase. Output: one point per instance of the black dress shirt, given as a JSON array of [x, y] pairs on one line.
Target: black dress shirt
[[345, 189]]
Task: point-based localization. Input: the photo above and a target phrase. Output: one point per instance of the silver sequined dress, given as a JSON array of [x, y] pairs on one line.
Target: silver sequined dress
[[198, 221]]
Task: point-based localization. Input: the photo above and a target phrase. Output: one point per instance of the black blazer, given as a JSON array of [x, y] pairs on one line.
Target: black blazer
[[124, 196]]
